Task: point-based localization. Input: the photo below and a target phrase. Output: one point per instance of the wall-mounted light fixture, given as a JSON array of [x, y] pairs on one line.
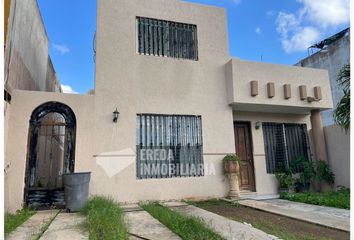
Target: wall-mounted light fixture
[[257, 125], [115, 115]]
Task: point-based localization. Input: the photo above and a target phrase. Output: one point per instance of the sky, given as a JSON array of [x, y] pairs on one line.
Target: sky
[[276, 31]]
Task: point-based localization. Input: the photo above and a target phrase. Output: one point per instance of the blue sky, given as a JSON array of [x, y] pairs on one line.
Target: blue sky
[[272, 31]]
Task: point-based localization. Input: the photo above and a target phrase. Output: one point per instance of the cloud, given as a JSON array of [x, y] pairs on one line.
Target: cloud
[[258, 30], [301, 29], [67, 89], [62, 49], [301, 40], [326, 12]]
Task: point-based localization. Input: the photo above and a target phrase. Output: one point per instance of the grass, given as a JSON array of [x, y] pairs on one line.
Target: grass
[[338, 199], [186, 227], [282, 233], [12, 221], [104, 219]]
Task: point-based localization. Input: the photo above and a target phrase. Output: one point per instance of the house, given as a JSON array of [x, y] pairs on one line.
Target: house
[[333, 53], [169, 103]]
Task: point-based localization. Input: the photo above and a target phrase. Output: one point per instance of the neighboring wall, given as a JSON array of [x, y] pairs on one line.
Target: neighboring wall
[[27, 62], [333, 58], [338, 151]]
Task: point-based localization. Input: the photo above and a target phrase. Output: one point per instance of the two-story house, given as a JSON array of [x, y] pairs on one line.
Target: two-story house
[[169, 103]]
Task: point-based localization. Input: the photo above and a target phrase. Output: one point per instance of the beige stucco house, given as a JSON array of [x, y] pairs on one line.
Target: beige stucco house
[[165, 66]]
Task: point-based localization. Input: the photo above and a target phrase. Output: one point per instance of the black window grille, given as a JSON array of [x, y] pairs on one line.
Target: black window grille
[[169, 146], [284, 144], [167, 39]]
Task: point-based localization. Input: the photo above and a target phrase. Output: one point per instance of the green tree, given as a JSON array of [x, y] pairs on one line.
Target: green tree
[[342, 111]]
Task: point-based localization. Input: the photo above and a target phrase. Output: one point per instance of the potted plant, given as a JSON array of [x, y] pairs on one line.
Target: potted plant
[[285, 180], [306, 174], [232, 163]]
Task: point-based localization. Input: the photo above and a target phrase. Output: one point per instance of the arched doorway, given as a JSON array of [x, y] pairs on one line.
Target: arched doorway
[[51, 153]]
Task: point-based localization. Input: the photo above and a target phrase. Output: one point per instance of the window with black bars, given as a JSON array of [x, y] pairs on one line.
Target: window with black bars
[[169, 146], [284, 144], [167, 39]]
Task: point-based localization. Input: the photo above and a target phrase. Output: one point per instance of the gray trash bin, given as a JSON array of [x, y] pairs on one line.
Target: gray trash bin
[[76, 187]]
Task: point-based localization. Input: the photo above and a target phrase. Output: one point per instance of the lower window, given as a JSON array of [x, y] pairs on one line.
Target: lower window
[[169, 146], [284, 144]]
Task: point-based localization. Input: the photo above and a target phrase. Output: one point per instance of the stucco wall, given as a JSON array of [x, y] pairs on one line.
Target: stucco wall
[[266, 183], [23, 103], [243, 72], [147, 84], [338, 151], [333, 58]]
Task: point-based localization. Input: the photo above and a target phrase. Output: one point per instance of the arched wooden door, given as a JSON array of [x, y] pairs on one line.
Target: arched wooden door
[[51, 153]]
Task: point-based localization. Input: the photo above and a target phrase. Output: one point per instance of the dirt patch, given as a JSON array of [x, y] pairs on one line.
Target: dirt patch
[[280, 226]]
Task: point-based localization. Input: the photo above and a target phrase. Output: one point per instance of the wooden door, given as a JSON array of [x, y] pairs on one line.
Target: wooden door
[[243, 145]]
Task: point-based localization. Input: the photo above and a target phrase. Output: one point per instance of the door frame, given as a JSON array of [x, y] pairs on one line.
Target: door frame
[[249, 124]]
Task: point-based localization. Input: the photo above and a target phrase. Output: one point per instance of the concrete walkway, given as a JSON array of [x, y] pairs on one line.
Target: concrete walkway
[[66, 226], [227, 228], [142, 224], [34, 226], [51, 225], [326, 216]]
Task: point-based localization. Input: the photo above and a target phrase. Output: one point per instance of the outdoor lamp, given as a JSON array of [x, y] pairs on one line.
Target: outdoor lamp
[[258, 125], [115, 115]]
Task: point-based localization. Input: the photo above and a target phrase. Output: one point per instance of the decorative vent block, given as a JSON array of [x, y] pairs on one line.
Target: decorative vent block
[[287, 91], [303, 92], [254, 88], [270, 89]]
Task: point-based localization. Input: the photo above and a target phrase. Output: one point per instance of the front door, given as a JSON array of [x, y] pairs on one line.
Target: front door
[[243, 145]]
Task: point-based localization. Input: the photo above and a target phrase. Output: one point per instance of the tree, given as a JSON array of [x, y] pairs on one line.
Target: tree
[[342, 111]]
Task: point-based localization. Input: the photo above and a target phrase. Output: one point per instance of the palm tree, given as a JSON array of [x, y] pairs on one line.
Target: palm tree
[[342, 111]]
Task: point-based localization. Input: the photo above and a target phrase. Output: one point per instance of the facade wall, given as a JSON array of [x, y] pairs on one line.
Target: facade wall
[[333, 58], [136, 83], [243, 72], [266, 183], [338, 151]]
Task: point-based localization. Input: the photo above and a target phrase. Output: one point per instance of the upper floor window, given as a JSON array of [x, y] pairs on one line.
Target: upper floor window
[[167, 39]]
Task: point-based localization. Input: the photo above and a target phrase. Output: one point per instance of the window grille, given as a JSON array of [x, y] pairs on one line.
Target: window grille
[[284, 144], [169, 146], [167, 39]]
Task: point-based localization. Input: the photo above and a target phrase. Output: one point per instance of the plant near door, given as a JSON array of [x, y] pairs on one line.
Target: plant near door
[[285, 180], [232, 163], [306, 174]]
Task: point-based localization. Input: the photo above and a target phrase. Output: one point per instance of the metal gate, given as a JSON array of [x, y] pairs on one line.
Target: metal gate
[[51, 154]]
